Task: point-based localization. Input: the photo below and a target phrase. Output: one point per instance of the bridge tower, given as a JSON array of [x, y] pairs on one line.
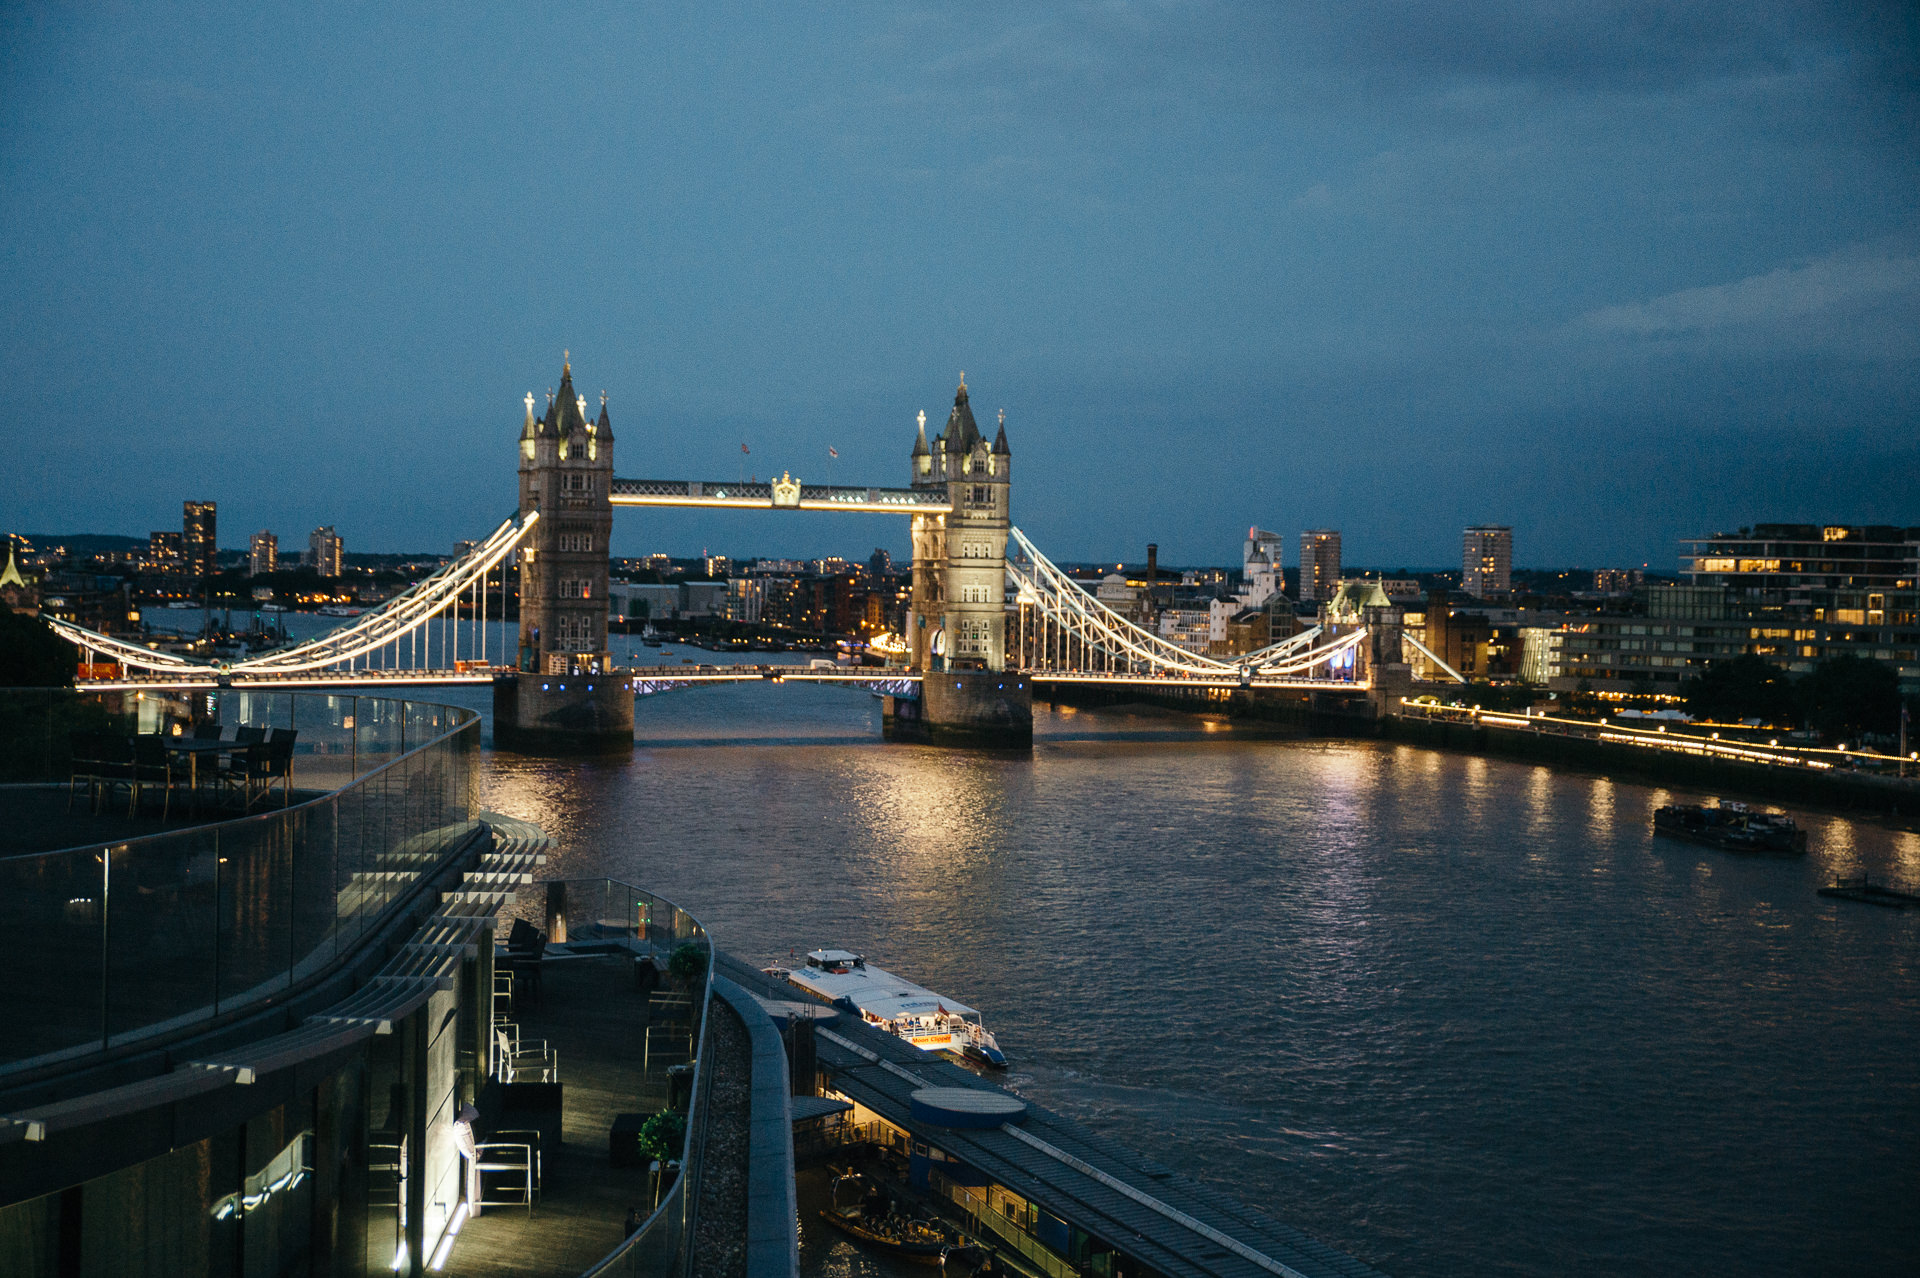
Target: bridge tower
[[957, 622], [564, 693]]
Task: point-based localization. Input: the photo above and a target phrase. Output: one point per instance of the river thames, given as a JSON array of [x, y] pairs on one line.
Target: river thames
[[1446, 1013]]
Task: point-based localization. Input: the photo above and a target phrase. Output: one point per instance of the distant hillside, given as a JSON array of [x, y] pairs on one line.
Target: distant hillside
[[85, 543]]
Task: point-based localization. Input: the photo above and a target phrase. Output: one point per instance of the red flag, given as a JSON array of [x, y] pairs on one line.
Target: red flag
[[832, 451], [744, 448]]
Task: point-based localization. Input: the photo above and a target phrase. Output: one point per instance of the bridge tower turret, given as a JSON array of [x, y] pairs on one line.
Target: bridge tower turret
[[565, 693]]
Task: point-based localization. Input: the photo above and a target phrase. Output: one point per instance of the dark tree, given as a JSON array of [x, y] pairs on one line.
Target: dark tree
[[1743, 687], [1850, 696], [31, 655]]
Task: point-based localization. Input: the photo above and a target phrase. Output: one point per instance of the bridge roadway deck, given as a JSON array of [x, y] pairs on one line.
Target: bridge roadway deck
[[1160, 1223], [687, 674], [377, 678]]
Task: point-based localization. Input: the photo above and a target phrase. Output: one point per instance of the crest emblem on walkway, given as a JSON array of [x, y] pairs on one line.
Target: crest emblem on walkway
[[786, 491]]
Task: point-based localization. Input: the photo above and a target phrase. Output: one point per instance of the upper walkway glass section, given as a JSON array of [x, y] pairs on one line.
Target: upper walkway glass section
[[115, 942]]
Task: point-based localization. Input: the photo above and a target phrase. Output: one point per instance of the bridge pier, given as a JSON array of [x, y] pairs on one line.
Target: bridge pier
[[989, 709], [563, 714]]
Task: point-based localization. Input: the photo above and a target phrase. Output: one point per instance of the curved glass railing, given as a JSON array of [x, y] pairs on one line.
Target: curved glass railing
[[621, 916], [113, 942]]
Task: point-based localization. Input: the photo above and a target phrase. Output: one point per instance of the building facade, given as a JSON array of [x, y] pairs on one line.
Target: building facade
[[1261, 570], [325, 551], [197, 529], [1319, 564], [1486, 561], [263, 553], [164, 552]]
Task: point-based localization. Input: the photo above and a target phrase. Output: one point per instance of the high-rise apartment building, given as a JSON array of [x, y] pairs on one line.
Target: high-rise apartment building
[[1486, 561], [263, 553], [1319, 564], [197, 538], [324, 551], [163, 550]]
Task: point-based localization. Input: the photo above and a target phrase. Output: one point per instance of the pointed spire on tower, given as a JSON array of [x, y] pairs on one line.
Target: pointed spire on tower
[[527, 431], [569, 412], [961, 433], [604, 426], [1000, 440], [920, 442]]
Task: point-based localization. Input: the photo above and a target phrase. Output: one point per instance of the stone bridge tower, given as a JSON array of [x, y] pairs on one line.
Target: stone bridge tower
[[960, 559], [957, 622], [564, 692]]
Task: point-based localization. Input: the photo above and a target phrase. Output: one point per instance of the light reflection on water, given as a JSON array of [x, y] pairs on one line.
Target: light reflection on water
[[1452, 1014]]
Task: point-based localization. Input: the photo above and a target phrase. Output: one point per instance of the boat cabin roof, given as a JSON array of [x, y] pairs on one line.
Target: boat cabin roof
[[833, 958], [877, 992]]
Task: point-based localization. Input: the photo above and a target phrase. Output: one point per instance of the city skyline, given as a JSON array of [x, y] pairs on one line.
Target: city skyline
[[1614, 283]]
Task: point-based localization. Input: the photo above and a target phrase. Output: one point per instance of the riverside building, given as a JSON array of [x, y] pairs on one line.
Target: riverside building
[[1795, 594]]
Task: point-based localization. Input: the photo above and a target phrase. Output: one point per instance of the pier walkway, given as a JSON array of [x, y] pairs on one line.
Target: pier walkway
[[1146, 1211]]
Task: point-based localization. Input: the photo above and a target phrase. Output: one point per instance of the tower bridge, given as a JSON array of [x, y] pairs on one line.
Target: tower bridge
[[990, 615]]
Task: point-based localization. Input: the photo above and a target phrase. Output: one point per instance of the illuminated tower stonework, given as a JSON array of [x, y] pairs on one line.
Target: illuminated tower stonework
[[566, 474], [957, 622], [564, 692]]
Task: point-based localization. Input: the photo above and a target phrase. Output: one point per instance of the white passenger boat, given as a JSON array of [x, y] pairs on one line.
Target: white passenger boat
[[930, 1021]]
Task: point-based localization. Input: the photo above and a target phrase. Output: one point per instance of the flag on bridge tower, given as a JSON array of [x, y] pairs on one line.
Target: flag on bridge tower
[[832, 451], [745, 449]]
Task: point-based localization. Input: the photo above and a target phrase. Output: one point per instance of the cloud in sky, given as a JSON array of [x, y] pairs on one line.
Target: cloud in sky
[[1383, 265], [1803, 300]]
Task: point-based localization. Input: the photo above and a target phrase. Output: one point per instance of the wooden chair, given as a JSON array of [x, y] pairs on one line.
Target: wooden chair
[[245, 735], [206, 729]]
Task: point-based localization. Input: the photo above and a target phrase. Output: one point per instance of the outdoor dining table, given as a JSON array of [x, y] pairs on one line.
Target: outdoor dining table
[[194, 748]]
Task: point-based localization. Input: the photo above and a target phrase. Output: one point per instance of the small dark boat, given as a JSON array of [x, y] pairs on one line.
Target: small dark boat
[[862, 1209], [966, 1260], [1732, 827], [1864, 889]]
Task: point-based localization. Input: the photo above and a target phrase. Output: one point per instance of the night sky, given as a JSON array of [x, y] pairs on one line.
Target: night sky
[[1613, 273]]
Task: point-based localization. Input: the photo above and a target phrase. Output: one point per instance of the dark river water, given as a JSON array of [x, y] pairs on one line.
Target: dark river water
[[1449, 1014]]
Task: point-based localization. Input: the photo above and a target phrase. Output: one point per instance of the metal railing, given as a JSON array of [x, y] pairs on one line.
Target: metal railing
[[1739, 746], [587, 913], [116, 942]]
